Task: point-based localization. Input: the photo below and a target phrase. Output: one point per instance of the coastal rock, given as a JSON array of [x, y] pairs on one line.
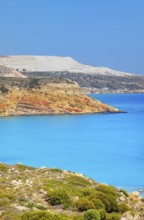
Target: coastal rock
[[121, 199], [135, 196], [21, 208], [128, 216], [46, 96]]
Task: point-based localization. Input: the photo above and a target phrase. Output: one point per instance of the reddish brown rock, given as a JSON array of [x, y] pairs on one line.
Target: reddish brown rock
[[46, 96]]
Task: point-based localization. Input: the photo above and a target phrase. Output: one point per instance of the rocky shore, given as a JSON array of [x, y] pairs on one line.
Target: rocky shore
[[23, 96], [28, 193]]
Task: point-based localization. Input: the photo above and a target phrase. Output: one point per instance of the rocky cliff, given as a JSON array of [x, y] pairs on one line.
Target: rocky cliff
[[46, 96]]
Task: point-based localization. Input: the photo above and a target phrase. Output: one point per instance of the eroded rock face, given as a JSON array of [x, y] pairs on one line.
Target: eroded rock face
[[9, 72], [46, 96]]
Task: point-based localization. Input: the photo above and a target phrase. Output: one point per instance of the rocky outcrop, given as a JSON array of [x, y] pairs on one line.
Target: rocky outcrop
[[9, 72], [46, 96]]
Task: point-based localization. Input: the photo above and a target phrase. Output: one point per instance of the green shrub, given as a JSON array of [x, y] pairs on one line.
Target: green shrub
[[92, 214], [80, 217], [84, 204], [58, 197], [41, 215], [109, 190], [4, 89], [3, 167], [98, 204], [124, 192], [113, 216], [22, 200], [9, 196], [56, 170], [33, 83], [4, 202], [78, 181], [108, 200], [6, 199], [87, 191], [34, 205], [40, 207], [102, 214], [123, 208], [30, 205], [23, 167]]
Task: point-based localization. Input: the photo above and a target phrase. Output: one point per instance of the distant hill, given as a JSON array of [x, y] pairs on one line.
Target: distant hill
[[54, 64], [91, 79]]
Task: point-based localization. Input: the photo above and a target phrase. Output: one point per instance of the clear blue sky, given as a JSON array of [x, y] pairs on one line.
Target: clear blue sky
[[99, 32]]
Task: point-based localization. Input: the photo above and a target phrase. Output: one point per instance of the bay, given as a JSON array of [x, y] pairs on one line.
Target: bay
[[106, 147]]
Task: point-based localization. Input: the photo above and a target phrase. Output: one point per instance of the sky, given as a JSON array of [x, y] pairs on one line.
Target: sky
[[96, 32]]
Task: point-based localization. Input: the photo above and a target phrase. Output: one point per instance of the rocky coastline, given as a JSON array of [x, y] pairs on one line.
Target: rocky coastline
[[24, 96]]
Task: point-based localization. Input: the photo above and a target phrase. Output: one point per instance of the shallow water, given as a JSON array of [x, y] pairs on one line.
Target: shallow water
[[106, 147]]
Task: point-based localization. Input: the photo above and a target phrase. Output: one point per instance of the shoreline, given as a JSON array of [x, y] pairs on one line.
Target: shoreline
[[114, 92]]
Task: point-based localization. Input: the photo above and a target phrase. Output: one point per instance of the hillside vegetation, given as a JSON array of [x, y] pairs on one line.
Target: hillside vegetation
[[98, 83], [27, 193]]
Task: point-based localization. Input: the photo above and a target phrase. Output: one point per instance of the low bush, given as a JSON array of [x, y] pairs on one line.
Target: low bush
[[4, 202], [98, 204], [102, 214], [87, 191], [41, 215], [124, 192], [79, 217], [9, 196], [92, 214], [84, 205], [76, 181], [123, 208], [3, 167], [109, 201], [113, 216], [22, 167], [4, 90], [109, 190], [58, 197], [56, 170]]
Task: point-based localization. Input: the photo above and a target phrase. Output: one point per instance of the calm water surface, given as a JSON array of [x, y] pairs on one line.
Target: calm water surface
[[107, 147]]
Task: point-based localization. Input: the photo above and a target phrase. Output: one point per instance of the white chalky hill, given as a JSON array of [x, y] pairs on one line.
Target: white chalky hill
[[54, 64]]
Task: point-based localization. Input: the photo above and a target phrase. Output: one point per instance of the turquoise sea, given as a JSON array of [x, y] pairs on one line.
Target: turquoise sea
[[106, 147]]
